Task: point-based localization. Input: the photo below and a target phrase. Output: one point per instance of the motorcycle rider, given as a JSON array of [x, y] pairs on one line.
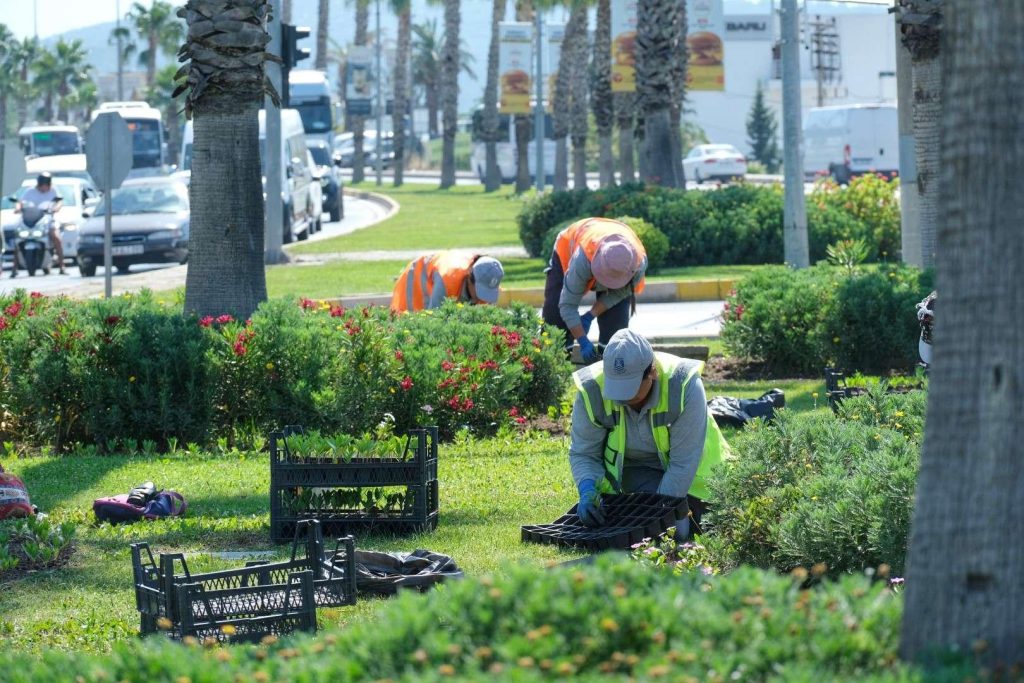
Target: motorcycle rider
[[44, 197]]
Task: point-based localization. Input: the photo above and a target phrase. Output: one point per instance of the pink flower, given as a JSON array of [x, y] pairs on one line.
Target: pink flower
[[307, 304], [240, 349], [521, 420], [337, 311], [399, 355], [37, 295], [3, 323], [489, 365], [13, 310], [513, 412], [406, 383], [224, 319], [447, 365]]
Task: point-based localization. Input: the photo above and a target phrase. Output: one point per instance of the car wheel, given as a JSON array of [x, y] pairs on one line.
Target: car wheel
[[87, 270], [122, 268], [697, 178]]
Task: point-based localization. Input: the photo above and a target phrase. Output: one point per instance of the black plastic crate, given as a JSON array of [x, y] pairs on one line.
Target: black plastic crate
[[416, 465], [259, 592], [836, 388], [629, 518], [419, 512]]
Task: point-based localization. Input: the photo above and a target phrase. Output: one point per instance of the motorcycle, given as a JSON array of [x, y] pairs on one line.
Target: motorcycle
[[32, 249]]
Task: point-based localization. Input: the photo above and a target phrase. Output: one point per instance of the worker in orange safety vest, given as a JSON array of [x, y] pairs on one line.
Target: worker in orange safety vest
[[428, 280]]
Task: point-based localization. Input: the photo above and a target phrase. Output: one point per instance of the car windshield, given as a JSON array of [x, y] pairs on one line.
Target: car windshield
[[320, 155], [146, 198], [316, 117], [52, 143]]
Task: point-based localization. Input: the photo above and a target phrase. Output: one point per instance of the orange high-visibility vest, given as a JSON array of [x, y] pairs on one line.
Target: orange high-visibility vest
[[587, 234], [416, 283]]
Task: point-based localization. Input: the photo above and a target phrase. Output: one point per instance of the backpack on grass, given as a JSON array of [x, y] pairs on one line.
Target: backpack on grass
[[142, 502]]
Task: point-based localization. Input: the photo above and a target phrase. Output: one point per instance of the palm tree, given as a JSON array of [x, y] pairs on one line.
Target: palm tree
[[601, 91], [964, 568], [561, 105], [449, 91], [121, 38], [322, 27], [657, 27], [492, 174], [23, 58], [523, 122], [625, 116], [58, 73], [403, 8], [159, 30], [427, 45], [578, 122], [8, 75], [357, 123], [225, 90], [81, 101], [678, 92]]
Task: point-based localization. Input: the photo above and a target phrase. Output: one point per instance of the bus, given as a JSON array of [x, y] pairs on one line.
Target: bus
[[506, 147], [149, 137], [50, 140], [310, 93]]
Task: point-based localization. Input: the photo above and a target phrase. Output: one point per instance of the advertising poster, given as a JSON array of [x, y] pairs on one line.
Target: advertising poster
[[556, 32], [706, 28], [359, 81], [514, 55], [624, 45]]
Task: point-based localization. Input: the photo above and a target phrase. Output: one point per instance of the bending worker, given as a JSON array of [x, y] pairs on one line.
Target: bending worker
[[428, 280], [640, 423], [600, 254]]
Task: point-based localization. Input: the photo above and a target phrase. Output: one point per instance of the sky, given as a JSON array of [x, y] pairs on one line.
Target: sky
[[58, 16]]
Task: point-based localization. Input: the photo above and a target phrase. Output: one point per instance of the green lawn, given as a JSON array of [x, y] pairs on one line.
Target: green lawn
[[463, 216]]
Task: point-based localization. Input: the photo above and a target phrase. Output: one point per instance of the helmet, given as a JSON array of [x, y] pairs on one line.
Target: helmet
[[44, 178]]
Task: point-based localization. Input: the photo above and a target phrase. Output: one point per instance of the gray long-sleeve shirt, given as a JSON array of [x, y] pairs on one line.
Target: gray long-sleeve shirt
[[686, 441], [574, 286]]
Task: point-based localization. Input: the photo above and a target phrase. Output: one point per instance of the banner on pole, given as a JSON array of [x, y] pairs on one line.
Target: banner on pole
[[556, 33], [514, 60], [623, 45], [359, 80], [705, 69]]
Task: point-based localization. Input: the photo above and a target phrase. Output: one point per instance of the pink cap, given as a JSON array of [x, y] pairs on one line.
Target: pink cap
[[615, 262]]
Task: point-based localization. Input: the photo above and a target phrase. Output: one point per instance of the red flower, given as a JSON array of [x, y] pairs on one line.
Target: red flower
[[337, 311], [224, 319], [454, 402], [513, 412], [113, 319], [521, 420], [37, 295], [406, 383], [739, 312], [489, 365], [307, 304], [3, 323], [447, 365], [467, 404], [13, 310], [366, 311], [513, 339], [240, 349], [399, 355], [527, 363]]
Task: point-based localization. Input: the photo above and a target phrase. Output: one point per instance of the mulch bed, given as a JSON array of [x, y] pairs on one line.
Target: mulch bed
[[25, 567]]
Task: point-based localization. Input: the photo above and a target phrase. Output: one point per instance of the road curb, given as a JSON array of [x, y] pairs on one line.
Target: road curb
[[391, 207]]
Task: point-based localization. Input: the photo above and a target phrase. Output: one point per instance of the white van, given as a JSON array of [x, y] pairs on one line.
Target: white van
[[47, 140], [302, 201], [505, 148], [848, 140]]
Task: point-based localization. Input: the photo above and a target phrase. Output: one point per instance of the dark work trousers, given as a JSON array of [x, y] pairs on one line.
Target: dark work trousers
[[608, 323]]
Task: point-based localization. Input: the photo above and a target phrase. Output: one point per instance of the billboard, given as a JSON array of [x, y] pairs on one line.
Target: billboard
[[514, 57], [359, 91], [705, 69], [623, 45]]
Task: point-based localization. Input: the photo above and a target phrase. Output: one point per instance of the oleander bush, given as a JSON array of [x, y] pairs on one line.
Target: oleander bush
[[821, 489], [615, 619], [131, 370], [805, 320]]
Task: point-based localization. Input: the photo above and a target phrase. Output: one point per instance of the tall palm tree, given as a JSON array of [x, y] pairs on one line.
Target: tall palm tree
[[578, 122], [601, 101], [492, 174], [58, 72], [625, 117], [561, 105], [160, 32], [403, 8], [121, 38], [322, 27], [23, 58], [8, 75], [81, 101], [657, 26], [523, 122], [225, 90], [449, 91], [678, 92], [357, 124], [427, 46]]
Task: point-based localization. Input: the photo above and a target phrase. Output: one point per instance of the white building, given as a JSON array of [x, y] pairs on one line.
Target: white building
[[861, 68]]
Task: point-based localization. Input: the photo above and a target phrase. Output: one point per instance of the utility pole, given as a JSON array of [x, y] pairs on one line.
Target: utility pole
[[910, 197], [274, 206], [120, 55], [538, 111], [795, 215], [824, 54], [380, 102]]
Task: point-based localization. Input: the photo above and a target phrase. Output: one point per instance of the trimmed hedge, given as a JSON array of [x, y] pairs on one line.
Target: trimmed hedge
[[738, 224], [613, 619], [130, 369], [804, 320]]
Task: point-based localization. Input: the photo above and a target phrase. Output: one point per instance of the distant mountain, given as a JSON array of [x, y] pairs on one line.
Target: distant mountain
[[102, 55]]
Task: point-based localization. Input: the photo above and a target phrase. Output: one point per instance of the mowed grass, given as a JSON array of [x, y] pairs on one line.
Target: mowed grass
[[429, 218]]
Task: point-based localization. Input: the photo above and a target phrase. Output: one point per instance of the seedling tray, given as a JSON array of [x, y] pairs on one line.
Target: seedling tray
[[262, 595], [415, 465], [629, 518]]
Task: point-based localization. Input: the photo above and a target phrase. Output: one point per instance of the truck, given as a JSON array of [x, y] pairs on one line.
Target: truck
[[309, 92], [849, 140]]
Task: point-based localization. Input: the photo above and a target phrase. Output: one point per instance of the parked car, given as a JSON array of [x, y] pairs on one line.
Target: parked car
[[330, 178], [850, 140], [79, 198], [345, 145], [714, 162], [150, 218]]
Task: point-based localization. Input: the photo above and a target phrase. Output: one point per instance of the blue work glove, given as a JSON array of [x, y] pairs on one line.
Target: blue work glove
[[585, 320], [587, 350], [589, 509]]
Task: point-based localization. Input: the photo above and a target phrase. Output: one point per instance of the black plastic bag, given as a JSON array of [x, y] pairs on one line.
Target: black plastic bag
[[384, 573], [735, 412]]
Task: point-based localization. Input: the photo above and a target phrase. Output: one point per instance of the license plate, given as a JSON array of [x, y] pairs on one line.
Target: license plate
[[126, 250]]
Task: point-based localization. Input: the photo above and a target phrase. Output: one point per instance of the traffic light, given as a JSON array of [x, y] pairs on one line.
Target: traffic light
[[291, 53]]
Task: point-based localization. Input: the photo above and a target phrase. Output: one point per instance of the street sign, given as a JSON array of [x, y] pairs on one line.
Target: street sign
[[12, 167], [108, 150]]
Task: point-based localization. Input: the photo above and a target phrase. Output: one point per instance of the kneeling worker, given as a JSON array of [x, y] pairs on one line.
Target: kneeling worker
[[428, 280], [640, 423], [597, 254]]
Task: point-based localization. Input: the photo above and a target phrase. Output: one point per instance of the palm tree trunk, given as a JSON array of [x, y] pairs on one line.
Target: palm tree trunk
[[560, 181], [358, 123], [965, 564], [492, 174], [401, 92], [151, 60], [625, 106], [523, 122], [433, 106], [562, 105], [601, 101], [449, 91], [578, 122], [657, 26], [679, 57], [927, 79], [3, 114], [322, 27]]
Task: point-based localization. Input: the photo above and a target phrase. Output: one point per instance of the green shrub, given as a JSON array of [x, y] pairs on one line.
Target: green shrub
[[804, 320], [536, 625], [542, 212], [817, 487], [870, 200], [655, 242], [548, 245]]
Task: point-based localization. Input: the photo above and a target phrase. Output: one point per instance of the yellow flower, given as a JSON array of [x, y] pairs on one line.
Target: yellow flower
[[132, 378], [547, 342], [270, 366], [227, 629], [460, 305], [56, 419], [835, 340]]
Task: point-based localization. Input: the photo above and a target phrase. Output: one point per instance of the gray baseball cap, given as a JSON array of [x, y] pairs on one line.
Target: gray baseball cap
[[487, 275], [626, 357]]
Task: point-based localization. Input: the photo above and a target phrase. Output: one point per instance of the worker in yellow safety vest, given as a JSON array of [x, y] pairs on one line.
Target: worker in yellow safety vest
[[640, 423], [428, 280], [598, 254]]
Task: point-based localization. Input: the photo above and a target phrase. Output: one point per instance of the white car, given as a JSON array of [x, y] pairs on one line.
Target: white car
[[714, 162]]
